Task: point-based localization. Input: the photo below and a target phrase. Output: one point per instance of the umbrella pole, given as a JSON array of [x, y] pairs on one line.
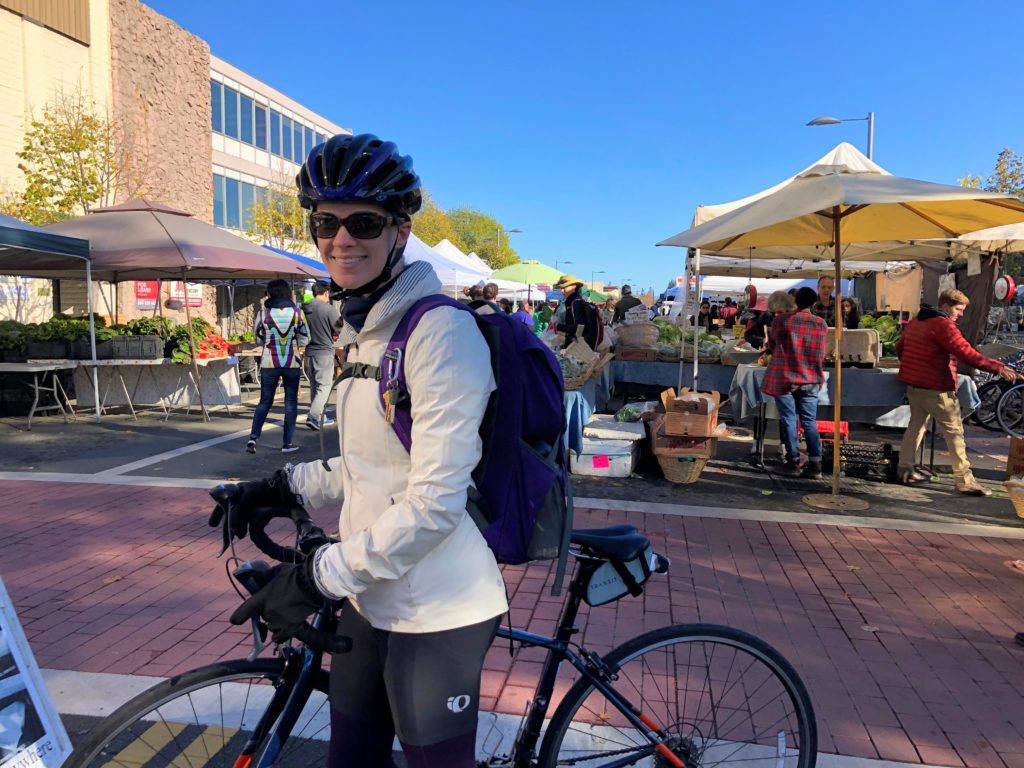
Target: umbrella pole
[[195, 351], [838, 311], [92, 338], [834, 501]]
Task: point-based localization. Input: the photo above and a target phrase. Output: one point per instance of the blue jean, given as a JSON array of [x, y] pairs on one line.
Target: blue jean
[[800, 404], [268, 388]]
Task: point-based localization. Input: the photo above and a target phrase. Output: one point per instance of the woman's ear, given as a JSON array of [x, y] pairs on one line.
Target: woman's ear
[[404, 231]]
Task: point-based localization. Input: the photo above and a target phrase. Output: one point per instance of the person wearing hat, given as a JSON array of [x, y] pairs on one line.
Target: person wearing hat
[[756, 334], [626, 303], [579, 315]]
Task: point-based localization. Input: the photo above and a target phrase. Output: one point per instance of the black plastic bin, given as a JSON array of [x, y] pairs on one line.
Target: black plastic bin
[[83, 351], [48, 350], [138, 347]]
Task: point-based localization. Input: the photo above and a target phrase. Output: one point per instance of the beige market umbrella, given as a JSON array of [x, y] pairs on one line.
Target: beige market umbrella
[[829, 205]]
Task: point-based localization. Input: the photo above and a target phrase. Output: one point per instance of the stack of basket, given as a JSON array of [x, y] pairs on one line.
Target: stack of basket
[[682, 433], [580, 350], [1015, 490]]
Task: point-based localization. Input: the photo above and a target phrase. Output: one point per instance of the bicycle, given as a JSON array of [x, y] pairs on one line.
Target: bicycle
[[688, 696]]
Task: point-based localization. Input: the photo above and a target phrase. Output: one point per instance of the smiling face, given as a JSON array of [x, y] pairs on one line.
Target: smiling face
[[351, 262]]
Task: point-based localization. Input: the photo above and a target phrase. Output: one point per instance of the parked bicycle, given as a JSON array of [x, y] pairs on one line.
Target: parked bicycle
[[686, 696]]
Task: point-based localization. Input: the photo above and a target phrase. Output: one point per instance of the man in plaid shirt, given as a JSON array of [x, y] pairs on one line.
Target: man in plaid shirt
[[793, 378]]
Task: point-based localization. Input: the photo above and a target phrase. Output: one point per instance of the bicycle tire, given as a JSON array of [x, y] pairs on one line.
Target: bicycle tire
[[156, 728], [602, 735], [985, 414], [1010, 411]]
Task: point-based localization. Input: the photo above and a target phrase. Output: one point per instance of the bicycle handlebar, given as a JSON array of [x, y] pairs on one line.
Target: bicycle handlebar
[[254, 575]]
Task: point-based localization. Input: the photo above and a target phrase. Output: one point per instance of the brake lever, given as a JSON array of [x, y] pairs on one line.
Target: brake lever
[[259, 638]]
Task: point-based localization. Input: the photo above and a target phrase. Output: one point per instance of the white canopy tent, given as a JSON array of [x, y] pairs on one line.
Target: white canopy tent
[[456, 270]]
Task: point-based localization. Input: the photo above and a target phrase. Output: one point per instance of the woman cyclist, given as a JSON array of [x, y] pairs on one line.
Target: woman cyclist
[[423, 590]]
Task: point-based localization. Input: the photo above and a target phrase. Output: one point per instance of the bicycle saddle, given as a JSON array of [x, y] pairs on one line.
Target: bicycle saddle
[[617, 542]]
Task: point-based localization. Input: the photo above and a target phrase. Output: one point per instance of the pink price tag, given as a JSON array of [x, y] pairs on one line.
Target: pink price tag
[[601, 462]]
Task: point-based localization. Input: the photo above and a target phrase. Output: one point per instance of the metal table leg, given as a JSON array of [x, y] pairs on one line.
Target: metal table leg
[[35, 398]]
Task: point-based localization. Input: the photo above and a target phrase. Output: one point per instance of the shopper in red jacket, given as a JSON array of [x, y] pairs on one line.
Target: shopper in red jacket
[[928, 350]]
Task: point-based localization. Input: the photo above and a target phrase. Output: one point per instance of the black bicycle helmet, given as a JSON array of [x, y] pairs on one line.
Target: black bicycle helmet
[[360, 168]]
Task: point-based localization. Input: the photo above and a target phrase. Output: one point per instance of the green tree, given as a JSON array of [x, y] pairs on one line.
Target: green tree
[[73, 159], [484, 235], [1006, 177], [277, 219], [432, 225]]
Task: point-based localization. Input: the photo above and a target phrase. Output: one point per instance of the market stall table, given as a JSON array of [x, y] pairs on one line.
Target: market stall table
[[713, 377], [171, 385], [40, 370], [870, 396]]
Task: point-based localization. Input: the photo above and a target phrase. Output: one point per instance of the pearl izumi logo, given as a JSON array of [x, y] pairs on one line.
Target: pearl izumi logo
[[458, 703]]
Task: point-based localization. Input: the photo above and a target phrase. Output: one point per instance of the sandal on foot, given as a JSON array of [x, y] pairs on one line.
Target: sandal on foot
[[973, 489], [912, 477]]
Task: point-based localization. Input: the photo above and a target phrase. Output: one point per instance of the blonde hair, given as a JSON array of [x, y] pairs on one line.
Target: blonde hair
[[953, 297], [781, 301]]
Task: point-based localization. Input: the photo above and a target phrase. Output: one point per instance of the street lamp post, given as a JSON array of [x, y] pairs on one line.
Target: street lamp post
[[592, 273], [826, 120], [564, 262]]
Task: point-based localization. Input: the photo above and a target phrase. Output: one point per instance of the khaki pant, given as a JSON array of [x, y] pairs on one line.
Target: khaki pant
[[945, 408]]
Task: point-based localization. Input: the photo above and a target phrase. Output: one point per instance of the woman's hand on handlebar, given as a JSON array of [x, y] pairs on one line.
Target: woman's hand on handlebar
[[285, 602], [244, 499]]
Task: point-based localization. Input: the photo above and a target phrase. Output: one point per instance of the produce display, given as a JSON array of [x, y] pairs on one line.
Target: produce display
[[571, 366], [888, 331]]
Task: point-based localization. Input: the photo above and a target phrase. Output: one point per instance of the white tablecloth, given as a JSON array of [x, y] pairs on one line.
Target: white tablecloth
[[160, 382]]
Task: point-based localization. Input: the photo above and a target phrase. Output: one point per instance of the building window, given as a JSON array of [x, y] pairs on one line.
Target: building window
[[245, 108], [232, 218], [248, 196], [286, 138], [309, 143], [218, 200], [216, 118], [297, 154], [275, 132], [230, 112], [261, 127]]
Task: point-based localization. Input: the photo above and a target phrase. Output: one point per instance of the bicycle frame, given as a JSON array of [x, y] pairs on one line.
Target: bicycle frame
[[590, 666]]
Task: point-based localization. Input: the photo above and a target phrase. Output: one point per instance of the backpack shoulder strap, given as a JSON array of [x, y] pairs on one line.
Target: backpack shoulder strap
[[392, 379]]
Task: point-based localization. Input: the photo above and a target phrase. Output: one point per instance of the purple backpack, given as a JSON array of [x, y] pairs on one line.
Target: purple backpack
[[522, 501]]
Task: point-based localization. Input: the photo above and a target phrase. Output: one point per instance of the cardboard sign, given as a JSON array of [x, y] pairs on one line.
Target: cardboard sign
[[32, 735], [601, 462], [637, 314]]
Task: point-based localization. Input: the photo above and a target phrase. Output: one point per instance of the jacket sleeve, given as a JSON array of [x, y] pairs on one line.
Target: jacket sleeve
[[314, 485], [259, 330], [301, 329], [571, 322], [450, 380], [951, 340]]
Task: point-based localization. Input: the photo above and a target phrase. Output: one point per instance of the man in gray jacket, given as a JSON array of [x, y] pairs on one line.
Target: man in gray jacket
[[321, 320]]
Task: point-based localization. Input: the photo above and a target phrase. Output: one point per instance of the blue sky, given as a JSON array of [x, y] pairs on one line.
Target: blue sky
[[597, 127]]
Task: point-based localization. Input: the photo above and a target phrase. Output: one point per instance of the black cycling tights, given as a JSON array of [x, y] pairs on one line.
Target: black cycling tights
[[423, 687]]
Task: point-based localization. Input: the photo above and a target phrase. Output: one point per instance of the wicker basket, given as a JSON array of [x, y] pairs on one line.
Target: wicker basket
[[577, 381], [681, 469], [638, 335], [1016, 494]]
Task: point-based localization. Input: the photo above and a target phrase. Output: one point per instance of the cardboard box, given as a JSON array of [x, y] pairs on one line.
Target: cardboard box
[[672, 445], [604, 458], [692, 416], [1015, 458], [636, 355]]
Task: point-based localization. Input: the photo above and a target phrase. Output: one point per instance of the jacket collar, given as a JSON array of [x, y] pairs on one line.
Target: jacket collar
[[416, 280], [928, 312]]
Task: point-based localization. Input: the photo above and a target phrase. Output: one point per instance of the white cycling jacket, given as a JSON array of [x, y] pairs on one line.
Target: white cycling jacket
[[411, 559]]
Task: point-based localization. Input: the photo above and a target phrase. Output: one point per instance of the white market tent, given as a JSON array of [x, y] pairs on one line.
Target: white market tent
[[472, 262]]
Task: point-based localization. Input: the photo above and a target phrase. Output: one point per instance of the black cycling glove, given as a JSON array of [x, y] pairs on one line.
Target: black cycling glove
[[271, 491], [285, 602]]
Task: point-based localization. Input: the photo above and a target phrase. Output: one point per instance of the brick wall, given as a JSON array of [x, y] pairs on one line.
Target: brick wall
[[161, 90]]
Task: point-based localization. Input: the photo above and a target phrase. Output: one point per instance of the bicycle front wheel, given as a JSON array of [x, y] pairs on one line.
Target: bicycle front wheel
[[989, 393], [204, 718], [717, 696], [1010, 411]]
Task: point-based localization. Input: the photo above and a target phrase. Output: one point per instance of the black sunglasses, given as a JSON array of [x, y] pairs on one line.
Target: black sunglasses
[[362, 226]]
